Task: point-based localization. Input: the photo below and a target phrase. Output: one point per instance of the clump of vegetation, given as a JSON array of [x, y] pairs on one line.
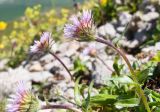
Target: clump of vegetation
[[15, 43], [2, 105], [124, 91], [127, 90], [107, 10]]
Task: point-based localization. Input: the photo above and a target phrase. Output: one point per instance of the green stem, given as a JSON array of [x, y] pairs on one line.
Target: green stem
[[139, 90]]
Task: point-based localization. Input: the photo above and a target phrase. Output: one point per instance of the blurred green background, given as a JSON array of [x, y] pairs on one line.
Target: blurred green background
[[12, 9]]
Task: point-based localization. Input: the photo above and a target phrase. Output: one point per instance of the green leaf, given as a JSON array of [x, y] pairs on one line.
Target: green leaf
[[157, 110], [77, 92], [156, 58], [132, 102], [155, 95], [103, 99], [135, 65], [155, 103], [87, 101], [124, 79], [79, 65], [117, 67], [143, 75]]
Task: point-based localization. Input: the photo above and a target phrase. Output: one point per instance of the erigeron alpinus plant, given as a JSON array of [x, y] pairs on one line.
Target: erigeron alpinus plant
[[24, 100], [14, 43], [82, 28], [44, 45]]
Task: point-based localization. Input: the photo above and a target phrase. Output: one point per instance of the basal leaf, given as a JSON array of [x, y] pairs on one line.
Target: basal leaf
[[132, 102], [103, 99]]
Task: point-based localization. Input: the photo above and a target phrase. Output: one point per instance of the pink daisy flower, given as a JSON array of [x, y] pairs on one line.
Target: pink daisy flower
[[23, 100], [90, 50], [43, 45], [81, 27]]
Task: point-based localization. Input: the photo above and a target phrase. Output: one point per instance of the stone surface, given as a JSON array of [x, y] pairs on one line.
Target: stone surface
[[35, 67], [107, 29], [124, 18], [10, 78], [102, 72], [3, 64], [120, 29], [150, 16], [48, 58]]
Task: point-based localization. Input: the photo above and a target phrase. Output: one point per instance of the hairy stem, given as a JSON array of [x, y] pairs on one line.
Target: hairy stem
[[139, 90], [54, 55], [61, 106]]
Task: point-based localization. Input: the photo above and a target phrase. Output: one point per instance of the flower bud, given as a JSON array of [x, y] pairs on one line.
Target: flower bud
[[23, 100], [43, 45], [81, 27]]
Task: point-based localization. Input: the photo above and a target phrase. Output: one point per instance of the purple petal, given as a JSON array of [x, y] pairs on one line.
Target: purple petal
[[86, 15], [45, 37], [75, 20]]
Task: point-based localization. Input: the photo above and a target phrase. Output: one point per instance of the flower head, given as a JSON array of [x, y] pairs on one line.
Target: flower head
[[81, 27], [90, 50], [42, 45], [23, 100]]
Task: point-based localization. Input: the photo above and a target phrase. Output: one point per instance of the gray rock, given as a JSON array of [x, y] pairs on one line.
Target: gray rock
[[148, 49], [67, 62], [150, 16], [40, 76], [65, 74], [120, 29], [68, 48], [129, 44], [35, 67], [140, 36], [59, 87], [124, 18], [69, 93], [3, 64], [11, 77], [89, 65], [131, 58], [150, 8], [107, 29], [137, 31], [58, 65], [64, 46], [102, 72], [46, 59], [49, 66]]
